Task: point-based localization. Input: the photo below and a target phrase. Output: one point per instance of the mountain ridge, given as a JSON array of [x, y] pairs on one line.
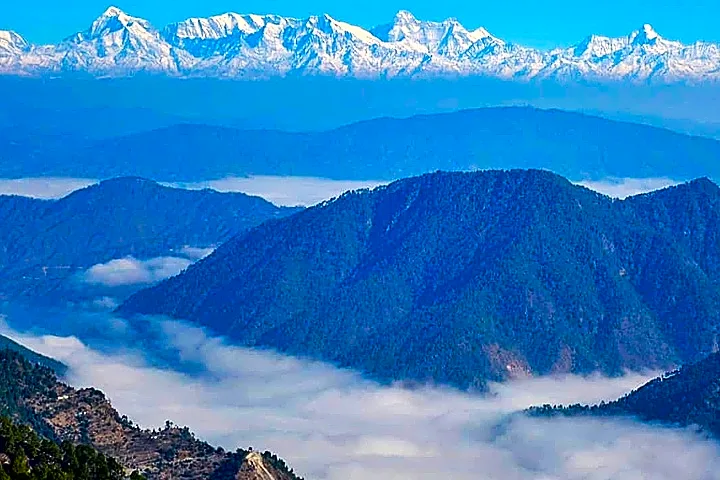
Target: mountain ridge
[[575, 145], [461, 278], [48, 245], [246, 46]]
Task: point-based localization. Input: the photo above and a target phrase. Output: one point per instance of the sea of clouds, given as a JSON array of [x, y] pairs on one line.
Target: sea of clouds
[[297, 191], [333, 424]]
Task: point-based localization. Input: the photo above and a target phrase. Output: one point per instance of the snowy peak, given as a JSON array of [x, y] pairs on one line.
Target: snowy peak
[[114, 20], [405, 16], [113, 11], [115, 44], [218, 27], [643, 40], [234, 46], [11, 38], [448, 37], [11, 42], [646, 39], [596, 46], [328, 25], [644, 35]]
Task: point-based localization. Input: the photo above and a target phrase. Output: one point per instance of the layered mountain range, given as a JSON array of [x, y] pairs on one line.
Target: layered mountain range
[[460, 278], [260, 46], [574, 145]]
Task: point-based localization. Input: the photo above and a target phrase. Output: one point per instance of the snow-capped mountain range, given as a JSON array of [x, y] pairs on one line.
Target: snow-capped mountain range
[[259, 46]]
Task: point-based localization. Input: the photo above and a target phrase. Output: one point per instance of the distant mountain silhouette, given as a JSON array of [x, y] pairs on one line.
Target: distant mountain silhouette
[[43, 244], [571, 144], [460, 278]]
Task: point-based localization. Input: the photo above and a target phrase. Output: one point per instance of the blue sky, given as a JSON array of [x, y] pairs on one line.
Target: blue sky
[[534, 23]]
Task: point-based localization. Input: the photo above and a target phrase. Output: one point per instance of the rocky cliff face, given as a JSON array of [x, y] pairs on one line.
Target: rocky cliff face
[[86, 417]]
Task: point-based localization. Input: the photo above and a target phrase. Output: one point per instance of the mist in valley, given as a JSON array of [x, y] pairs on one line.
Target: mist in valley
[[334, 424]]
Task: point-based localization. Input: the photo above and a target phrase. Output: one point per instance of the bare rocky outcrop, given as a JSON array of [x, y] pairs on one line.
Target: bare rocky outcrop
[[86, 416]]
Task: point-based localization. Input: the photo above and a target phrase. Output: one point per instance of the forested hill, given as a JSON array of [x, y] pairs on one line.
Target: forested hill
[[459, 278], [124, 216], [46, 244], [31, 394], [686, 397]]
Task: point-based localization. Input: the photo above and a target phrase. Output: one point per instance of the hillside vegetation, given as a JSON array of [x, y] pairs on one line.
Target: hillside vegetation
[[461, 278]]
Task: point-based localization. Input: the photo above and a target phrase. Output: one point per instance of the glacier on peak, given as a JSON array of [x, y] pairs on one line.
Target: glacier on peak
[[235, 45], [216, 27], [113, 20], [448, 37], [10, 41]]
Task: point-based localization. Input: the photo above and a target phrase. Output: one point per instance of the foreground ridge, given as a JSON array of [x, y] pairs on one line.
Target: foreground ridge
[[33, 395], [259, 46]]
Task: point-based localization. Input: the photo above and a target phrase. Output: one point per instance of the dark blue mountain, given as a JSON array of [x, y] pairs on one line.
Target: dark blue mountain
[[463, 277], [45, 244], [574, 145]]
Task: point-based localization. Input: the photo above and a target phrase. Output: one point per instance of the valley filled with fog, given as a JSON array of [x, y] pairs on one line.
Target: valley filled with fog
[[334, 424], [295, 191]]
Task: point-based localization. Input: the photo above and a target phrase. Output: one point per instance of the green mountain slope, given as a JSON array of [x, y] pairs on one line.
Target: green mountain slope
[[464, 277], [46, 245], [24, 455]]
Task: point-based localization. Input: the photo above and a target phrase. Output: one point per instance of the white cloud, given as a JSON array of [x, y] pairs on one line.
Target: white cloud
[[131, 271], [331, 424], [104, 303], [285, 191], [627, 187], [196, 253], [45, 187], [295, 191]]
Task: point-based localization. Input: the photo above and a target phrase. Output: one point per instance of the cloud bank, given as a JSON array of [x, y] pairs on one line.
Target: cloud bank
[[196, 253], [45, 188], [331, 424], [627, 187], [131, 271], [295, 191], [282, 191], [285, 191]]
